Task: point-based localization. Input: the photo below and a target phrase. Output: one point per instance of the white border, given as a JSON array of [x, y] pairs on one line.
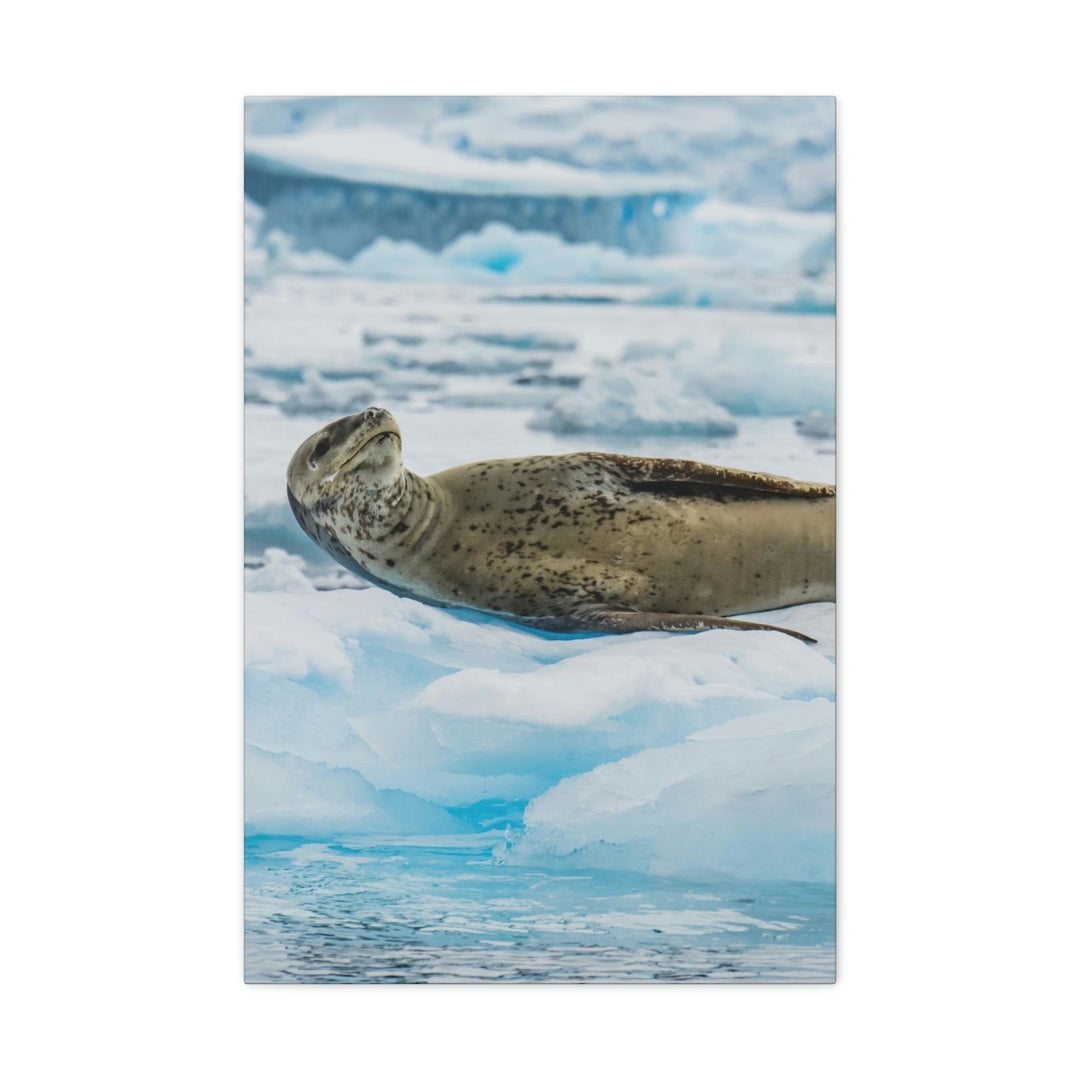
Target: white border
[[958, 737]]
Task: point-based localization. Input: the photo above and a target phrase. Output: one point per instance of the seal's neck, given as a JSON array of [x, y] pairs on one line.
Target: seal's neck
[[405, 509]]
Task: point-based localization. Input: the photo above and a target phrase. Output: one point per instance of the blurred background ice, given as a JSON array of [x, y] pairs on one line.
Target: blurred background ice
[[436, 795]]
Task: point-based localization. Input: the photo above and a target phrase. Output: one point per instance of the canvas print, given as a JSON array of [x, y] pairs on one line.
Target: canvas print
[[539, 516]]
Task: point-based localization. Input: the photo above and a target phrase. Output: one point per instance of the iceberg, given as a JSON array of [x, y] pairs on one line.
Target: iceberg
[[338, 189], [341, 216]]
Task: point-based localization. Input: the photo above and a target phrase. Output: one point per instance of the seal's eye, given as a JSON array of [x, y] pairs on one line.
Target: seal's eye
[[320, 448]]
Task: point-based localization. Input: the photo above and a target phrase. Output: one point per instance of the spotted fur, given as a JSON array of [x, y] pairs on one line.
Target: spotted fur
[[568, 543]]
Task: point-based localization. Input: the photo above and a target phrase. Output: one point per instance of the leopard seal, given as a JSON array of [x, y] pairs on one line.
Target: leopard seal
[[572, 543]]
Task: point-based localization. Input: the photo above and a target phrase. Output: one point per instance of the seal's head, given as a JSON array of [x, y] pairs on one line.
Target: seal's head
[[352, 463]]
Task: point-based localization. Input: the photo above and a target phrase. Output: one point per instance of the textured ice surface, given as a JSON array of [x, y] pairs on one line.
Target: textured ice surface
[[457, 710]]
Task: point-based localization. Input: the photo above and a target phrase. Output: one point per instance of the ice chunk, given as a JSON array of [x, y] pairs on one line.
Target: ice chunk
[[753, 377], [753, 797], [494, 253], [634, 403], [758, 264], [277, 571], [816, 425], [285, 795], [680, 388]]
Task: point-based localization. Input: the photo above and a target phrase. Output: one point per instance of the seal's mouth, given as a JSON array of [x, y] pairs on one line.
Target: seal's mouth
[[366, 441]]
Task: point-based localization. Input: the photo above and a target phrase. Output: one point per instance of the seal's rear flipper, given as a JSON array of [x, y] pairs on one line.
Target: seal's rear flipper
[[609, 621]]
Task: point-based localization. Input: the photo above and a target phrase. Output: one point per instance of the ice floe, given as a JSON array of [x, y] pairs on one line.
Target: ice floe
[[455, 709]]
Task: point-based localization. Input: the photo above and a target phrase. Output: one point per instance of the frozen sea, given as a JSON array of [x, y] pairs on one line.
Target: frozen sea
[[440, 796]]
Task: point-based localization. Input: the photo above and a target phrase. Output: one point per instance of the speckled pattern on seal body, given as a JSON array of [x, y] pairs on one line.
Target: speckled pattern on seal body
[[568, 543]]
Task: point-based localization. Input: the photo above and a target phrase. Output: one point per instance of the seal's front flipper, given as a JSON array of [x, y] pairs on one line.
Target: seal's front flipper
[[674, 476], [611, 621]]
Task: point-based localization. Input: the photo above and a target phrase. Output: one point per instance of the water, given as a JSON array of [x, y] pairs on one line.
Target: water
[[444, 910]]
